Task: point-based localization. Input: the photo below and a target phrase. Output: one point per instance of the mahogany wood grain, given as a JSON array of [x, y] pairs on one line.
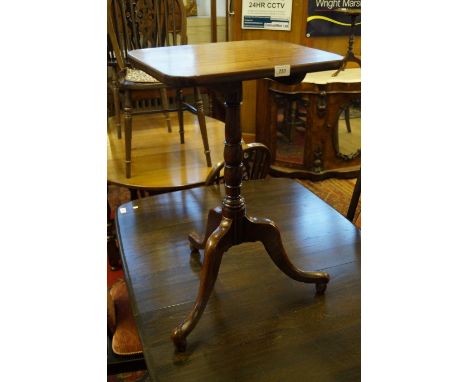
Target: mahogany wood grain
[[258, 325], [208, 64]]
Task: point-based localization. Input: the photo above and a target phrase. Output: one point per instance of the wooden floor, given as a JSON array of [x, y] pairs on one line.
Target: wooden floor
[[159, 160]]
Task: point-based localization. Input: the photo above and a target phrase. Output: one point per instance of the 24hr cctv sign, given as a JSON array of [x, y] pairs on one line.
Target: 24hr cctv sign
[[267, 14]]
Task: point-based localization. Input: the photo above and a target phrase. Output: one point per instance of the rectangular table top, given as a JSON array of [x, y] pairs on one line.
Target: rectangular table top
[[214, 63], [259, 325]]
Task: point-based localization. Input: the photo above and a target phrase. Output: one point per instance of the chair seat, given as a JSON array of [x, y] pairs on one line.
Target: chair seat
[[125, 340], [139, 76]]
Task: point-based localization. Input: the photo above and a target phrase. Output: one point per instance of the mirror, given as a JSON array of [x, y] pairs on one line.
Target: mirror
[[348, 130], [291, 122]]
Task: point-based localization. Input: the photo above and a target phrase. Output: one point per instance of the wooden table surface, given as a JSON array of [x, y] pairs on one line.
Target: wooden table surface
[[222, 62], [259, 325], [160, 162]]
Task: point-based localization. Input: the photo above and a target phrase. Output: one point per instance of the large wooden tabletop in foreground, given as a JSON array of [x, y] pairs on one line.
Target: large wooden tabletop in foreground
[[259, 325]]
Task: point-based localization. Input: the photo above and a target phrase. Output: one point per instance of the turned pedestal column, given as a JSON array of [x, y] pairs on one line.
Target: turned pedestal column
[[230, 225]]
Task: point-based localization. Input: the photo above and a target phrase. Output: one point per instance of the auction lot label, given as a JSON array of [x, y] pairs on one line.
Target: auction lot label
[[267, 14]]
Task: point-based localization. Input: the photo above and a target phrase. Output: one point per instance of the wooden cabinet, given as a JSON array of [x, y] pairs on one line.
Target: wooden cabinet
[[312, 129]]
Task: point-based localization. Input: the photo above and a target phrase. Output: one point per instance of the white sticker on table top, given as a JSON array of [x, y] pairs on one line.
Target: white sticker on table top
[[123, 210], [282, 70]]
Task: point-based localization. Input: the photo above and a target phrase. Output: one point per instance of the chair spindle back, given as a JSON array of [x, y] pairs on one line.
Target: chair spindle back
[[256, 161], [139, 24]]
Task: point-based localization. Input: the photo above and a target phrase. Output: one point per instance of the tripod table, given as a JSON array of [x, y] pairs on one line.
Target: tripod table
[[222, 67]]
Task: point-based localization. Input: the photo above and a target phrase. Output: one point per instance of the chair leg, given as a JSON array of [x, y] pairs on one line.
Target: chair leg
[[354, 199], [128, 133], [116, 96], [165, 105], [210, 104], [348, 123], [202, 123], [180, 114]]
